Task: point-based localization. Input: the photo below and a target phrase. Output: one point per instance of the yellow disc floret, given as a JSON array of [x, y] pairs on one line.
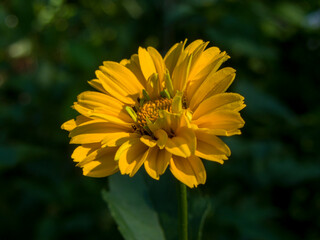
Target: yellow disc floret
[[150, 110]]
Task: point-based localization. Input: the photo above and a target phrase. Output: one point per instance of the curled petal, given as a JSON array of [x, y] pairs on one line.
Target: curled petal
[[157, 162], [99, 163], [162, 137], [189, 170], [131, 156], [149, 141], [183, 144], [210, 147]]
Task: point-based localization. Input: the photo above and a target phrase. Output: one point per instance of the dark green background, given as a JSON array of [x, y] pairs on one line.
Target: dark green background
[[268, 190]]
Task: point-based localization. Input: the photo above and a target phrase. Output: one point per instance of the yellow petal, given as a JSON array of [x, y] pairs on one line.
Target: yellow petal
[[217, 82], [173, 55], [222, 101], [189, 171], [120, 82], [193, 46], [162, 138], [83, 151], [116, 137], [181, 72], [96, 83], [146, 63], [227, 120], [218, 132], [100, 163], [149, 141], [177, 102], [183, 144], [123, 76], [134, 65], [153, 86], [102, 114], [158, 63], [157, 162], [196, 49], [131, 155], [218, 146], [92, 132], [210, 147], [100, 169], [114, 89], [69, 125], [204, 64], [203, 70], [92, 104]]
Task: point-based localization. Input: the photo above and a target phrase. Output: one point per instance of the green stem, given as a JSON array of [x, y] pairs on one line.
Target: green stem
[[183, 211]]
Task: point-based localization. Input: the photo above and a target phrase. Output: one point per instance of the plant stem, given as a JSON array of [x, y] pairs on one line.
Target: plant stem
[[183, 211]]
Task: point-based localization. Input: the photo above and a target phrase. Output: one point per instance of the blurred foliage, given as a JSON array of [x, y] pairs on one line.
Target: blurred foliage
[[269, 189]]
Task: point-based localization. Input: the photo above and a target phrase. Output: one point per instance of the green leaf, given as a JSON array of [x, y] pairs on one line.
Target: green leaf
[[131, 208]]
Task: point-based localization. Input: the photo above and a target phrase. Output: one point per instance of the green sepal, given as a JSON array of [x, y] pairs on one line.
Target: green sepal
[[165, 94], [146, 96], [142, 101], [132, 113], [147, 129]]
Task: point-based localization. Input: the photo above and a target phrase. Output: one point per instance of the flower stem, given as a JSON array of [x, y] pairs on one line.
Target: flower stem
[[183, 211]]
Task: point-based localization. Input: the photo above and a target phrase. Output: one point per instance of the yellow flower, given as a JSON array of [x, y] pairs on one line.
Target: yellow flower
[[157, 112]]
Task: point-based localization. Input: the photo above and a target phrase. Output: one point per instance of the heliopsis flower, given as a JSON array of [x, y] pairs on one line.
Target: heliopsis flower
[[157, 112]]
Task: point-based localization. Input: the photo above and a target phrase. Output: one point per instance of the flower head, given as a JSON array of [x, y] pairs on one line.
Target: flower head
[[157, 112]]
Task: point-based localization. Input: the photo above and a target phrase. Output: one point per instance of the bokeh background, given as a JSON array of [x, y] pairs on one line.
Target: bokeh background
[[49, 49]]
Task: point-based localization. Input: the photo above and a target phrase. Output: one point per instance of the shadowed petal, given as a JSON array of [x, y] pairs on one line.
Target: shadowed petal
[[83, 151], [100, 163], [158, 63], [134, 65], [189, 170], [183, 144], [93, 132], [157, 162], [173, 55], [210, 147], [131, 155], [215, 83], [227, 120], [222, 101]]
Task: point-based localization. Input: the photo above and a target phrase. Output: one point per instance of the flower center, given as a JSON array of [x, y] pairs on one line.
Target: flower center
[[150, 110]]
